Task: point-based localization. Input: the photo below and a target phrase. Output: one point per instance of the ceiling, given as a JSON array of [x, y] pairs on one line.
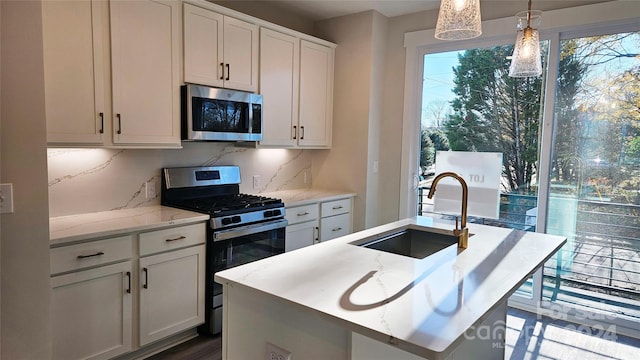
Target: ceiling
[[316, 10]]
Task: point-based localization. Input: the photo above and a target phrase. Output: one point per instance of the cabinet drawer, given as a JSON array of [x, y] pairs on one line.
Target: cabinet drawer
[[79, 256], [174, 238], [335, 226], [336, 207], [300, 214]]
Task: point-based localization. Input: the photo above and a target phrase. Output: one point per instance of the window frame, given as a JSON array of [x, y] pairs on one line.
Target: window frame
[[557, 25]]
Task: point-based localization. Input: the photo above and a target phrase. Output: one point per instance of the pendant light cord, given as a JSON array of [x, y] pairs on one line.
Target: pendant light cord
[[529, 15]]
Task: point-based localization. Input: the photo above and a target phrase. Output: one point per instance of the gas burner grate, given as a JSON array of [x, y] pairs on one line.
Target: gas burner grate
[[229, 203]]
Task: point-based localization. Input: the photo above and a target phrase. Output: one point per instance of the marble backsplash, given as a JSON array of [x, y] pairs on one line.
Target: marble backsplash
[[90, 180]]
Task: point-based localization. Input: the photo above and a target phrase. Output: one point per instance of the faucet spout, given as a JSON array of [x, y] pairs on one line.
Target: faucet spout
[[463, 233]]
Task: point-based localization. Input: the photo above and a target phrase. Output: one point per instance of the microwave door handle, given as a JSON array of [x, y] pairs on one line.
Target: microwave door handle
[[249, 125]]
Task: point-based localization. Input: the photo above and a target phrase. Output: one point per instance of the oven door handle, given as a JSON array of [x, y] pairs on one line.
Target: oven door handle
[[248, 230]]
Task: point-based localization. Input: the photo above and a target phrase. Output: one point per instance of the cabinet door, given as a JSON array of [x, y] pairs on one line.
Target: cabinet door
[[145, 72], [203, 61], [335, 226], [316, 95], [91, 313], [240, 55], [279, 74], [74, 71], [171, 293], [301, 235]]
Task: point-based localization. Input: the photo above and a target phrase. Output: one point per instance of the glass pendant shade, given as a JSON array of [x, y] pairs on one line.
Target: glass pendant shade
[[526, 60], [459, 20]]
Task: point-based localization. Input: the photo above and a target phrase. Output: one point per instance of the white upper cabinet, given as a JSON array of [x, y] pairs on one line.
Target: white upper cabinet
[[139, 42], [74, 71], [145, 71], [279, 76], [219, 50], [316, 95], [296, 83]]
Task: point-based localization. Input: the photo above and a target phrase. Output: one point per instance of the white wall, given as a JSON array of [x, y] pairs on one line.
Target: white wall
[[272, 12], [345, 167], [26, 330]]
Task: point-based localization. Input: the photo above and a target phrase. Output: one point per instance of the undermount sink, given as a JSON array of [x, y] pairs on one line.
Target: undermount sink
[[414, 243]]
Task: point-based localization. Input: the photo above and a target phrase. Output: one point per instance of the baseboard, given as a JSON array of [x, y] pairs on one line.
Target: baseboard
[[159, 346]]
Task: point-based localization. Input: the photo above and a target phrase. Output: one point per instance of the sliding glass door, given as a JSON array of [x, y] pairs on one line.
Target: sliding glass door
[[594, 192], [571, 158], [471, 104]]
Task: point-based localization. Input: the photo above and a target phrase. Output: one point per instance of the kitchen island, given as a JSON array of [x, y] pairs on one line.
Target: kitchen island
[[339, 300]]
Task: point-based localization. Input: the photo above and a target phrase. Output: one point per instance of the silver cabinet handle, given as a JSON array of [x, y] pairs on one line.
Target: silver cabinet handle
[[175, 239], [336, 229], [337, 207], [91, 255], [303, 213]]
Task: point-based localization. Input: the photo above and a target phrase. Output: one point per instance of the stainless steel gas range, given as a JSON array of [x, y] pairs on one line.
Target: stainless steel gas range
[[242, 228]]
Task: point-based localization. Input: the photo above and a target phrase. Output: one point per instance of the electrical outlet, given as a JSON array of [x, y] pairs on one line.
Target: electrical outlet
[[306, 177], [150, 187], [256, 182], [276, 353], [6, 198]]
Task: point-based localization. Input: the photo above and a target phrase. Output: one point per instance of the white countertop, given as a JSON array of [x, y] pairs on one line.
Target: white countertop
[[70, 228], [420, 305], [298, 197]]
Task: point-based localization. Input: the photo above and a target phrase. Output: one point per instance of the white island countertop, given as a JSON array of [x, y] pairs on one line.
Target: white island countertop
[[63, 229], [423, 306]]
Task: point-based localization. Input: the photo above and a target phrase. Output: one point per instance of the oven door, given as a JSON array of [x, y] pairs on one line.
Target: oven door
[[235, 247]]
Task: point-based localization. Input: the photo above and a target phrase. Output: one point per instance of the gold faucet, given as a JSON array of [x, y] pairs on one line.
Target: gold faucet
[[463, 233]]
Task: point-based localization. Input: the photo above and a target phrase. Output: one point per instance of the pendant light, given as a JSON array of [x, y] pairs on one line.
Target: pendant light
[[526, 61], [458, 20]]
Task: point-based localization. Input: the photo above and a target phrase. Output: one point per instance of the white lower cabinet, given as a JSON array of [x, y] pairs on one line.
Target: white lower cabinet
[[335, 226], [91, 313], [98, 287], [335, 220], [317, 222], [303, 228], [171, 293], [301, 235]]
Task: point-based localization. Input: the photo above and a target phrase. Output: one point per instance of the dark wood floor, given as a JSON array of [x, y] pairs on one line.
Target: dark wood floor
[[528, 337], [200, 348]]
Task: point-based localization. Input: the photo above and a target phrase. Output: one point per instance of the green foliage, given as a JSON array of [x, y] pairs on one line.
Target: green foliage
[[427, 150], [431, 141], [497, 113], [633, 148], [568, 128]]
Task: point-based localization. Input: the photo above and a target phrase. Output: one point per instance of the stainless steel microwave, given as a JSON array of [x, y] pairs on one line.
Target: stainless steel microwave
[[220, 114]]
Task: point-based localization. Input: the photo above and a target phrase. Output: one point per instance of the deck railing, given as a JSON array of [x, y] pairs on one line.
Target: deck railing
[[602, 255]]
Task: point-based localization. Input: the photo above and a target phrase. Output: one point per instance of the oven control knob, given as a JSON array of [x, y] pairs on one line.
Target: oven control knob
[[236, 219], [277, 212], [268, 213], [226, 221]]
